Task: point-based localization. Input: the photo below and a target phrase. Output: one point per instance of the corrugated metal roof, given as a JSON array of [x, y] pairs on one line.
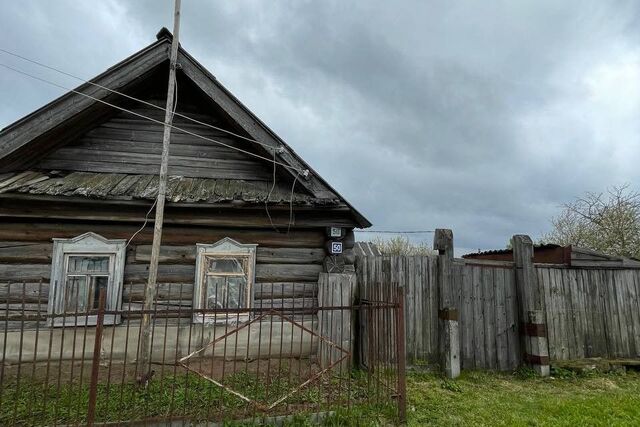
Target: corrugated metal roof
[[508, 251], [128, 187]]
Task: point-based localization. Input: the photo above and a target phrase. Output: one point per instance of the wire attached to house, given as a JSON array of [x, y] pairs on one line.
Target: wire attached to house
[[291, 203], [273, 185], [146, 219], [133, 98], [289, 167], [396, 232]]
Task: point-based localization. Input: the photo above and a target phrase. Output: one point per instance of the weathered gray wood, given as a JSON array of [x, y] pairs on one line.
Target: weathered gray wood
[[187, 255], [467, 336], [488, 290], [501, 329], [451, 347], [72, 104], [112, 162], [150, 290], [30, 292], [634, 308], [449, 339], [24, 272], [164, 291], [565, 313], [530, 297], [266, 290], [478, 318], [287, 304], [513, 331], [335, 325], [287, 272], [578, 313], [135, 273], [43, 231]]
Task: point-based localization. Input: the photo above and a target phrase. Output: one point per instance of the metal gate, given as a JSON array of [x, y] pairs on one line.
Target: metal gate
[[286, 360]]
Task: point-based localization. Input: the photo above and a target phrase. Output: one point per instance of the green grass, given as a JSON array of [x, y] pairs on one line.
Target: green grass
[[190, 396], [521, 399], [474, 399]]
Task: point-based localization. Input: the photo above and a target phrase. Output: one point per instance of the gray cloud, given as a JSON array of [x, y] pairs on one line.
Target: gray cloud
[[482, 117]]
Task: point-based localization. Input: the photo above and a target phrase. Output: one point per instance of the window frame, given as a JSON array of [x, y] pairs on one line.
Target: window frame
[[87, 244], [225, 248]]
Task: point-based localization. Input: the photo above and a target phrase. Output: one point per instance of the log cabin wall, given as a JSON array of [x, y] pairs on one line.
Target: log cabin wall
[[286, 276]]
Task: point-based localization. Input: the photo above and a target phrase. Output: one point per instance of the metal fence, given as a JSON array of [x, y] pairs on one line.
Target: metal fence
[[86, 367]]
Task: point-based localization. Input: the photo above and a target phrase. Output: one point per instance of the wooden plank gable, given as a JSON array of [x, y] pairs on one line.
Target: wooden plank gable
[[130, 144], [79, 133]]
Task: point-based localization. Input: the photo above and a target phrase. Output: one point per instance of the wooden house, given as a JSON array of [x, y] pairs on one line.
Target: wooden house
[[247, 222]]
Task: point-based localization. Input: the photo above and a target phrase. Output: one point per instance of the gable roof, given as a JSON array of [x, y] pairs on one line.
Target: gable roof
[[70, 115]]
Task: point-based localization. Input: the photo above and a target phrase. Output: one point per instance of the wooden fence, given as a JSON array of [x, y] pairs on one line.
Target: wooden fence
[[587, 311], [591, 312]]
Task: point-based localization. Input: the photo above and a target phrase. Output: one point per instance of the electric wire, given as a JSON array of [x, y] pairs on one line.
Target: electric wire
[[299, 171], [146, 217], [133, 98], [291, 203], [144, 224], [174, 113], [273, 185], [395, 232]]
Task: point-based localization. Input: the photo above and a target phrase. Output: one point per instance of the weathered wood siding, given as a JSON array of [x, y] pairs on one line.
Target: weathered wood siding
[[486, 300], [287, 266], [417, 275], [591, 312], [484, 294], [127, 143]]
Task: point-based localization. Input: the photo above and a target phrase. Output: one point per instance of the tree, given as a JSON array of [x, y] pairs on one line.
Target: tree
[[400, 245], [605, 222]]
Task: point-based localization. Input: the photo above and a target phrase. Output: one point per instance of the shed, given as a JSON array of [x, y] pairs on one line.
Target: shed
[[555, 254]]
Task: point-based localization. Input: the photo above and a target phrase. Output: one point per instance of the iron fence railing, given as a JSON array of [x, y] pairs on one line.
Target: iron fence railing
[[286, 360]]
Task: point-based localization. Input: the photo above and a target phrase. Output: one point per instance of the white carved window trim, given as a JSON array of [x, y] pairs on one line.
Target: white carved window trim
[[90, 244], [226, 247]]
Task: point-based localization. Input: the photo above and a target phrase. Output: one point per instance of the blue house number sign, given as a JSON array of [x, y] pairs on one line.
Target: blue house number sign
[[336, 248]]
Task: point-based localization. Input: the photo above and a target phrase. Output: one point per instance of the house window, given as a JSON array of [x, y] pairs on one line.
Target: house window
[[80, 268], [224, 281]]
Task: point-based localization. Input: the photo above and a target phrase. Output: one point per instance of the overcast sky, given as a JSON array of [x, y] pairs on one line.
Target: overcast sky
[[483, 117]]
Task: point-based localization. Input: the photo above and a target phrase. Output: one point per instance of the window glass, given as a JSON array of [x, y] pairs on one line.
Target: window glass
[[224, 280], [85, 275], [225, 292], [215, 287], [225, 265], [81, 268], [76, 294], [88, 264]]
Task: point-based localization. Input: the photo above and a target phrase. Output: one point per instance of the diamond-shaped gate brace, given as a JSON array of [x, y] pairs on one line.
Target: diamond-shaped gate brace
[[259, 405]]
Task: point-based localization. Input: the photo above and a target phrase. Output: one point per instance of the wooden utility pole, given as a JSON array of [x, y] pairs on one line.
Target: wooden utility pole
[[150, 290]]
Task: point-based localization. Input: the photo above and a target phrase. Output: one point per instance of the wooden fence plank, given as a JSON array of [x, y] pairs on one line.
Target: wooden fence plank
[[513, 331], [488, 288], [621, 298], [478, 317], [466, 320], [501, 328]]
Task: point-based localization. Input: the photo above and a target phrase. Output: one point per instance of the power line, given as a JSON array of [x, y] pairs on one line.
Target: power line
[[133, 98], [299, 171], [395, 232]]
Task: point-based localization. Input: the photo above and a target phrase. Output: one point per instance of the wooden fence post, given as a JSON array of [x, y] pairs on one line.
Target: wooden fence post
[[533, 331], [336, 326], [449, 340]]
